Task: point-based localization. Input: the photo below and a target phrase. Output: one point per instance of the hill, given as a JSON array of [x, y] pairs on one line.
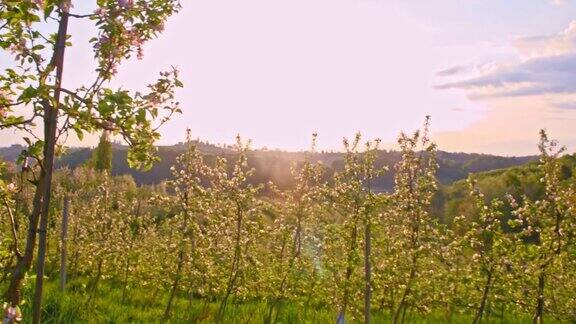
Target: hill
[[274, 165], [519, 181]]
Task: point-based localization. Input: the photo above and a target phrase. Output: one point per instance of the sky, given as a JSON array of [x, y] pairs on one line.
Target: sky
[[490, 73]]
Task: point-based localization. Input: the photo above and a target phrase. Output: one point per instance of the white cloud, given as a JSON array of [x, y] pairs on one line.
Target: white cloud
[[537, 89], [546, 65], [539, 46]]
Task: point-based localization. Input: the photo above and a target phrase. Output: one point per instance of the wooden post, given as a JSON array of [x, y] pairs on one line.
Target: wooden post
[[50, 127], [63, 248]]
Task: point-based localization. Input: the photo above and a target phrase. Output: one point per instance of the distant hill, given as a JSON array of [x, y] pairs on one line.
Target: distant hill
[[274, 165], [519, 181]]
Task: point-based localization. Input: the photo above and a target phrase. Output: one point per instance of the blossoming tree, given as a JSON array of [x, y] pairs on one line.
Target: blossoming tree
[[34, 100]]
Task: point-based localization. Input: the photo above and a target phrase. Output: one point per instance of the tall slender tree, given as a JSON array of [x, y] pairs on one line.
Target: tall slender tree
[[33, 89], [548, 224], [239, 222], [415, 185], [101, 158], [352, 211], [489, 245], [297, 210], [190, 201]]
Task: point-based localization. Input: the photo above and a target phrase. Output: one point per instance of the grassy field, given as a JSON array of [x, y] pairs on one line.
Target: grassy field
[[106, 306]]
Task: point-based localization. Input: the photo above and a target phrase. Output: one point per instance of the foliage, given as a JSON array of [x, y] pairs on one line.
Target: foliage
[[101, 158], [35, 35], [210, 246]]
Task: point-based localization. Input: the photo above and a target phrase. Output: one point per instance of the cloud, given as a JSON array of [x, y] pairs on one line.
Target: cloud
[[541, 45], [451, 71], [554, 74], [546, 65]]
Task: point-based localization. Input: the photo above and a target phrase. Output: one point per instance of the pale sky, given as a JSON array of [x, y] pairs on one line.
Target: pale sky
[[491, 73]]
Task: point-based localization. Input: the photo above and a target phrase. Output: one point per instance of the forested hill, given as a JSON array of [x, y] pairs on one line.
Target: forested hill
[[519, 181], [272, 165]]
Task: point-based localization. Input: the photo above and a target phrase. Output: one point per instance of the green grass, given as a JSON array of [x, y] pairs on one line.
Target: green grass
[[106, 306]]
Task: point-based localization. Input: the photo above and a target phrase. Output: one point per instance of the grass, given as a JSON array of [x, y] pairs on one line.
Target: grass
[[106, 306]]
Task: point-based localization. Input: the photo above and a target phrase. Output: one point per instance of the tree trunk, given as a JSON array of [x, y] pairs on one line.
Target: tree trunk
[[349, 271], [539, 314], [126, 272], [23, 264], [485, 294], [298, 237], [63, 249], [174, 285], [96, 281], [127, 267], [235, 264], [367, 270], [414, 246], [401, 310], [98, 275], [296, 252], [50, 126]]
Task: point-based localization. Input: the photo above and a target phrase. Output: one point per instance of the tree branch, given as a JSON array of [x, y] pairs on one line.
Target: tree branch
[[81, 16], [18, 123], [71, 93], [13, 226]]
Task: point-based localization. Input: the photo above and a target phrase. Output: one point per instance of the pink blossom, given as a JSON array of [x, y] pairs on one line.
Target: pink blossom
[[19, 48], [133, 37], [159, 28], [4, 101], [101, 11], [136, 41], [125, 3], [11, 187], [13, 49]]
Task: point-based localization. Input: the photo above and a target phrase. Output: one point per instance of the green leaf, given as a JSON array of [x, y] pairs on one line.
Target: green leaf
[[48, 11]]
